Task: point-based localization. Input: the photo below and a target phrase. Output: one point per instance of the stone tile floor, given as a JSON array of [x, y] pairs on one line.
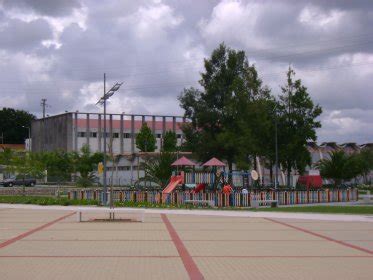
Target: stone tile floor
[[50, 244]]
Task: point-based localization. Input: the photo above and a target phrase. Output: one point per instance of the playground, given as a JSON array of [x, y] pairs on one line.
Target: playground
[[50, 244], [215, 187]]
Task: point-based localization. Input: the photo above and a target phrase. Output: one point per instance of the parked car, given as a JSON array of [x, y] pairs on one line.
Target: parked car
[[19, 181]]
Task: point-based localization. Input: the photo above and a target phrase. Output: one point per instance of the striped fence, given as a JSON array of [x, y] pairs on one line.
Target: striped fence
[[220, 199], [239, 179]]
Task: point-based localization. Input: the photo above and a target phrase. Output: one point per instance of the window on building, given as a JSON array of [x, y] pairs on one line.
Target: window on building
[[159, 135], [93, 134], [178, 136], [115, 135], [127, 135], [81, 134], [124, 168]]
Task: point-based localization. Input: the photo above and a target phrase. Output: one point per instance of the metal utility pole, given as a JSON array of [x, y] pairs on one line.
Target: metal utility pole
[[276, 152], [102, 101], [104, 161], [44, 104], [276, 149]]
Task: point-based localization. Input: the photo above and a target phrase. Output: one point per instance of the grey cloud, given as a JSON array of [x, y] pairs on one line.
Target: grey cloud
[[44, 7], [19, 35], [157, 50]]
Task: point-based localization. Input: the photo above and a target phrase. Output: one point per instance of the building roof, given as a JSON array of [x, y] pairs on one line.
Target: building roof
[[183, 161], [214, 162], [12, 146]]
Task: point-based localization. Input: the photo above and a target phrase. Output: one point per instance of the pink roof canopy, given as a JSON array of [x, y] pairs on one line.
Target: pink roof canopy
[[214, 162], [183, 161]]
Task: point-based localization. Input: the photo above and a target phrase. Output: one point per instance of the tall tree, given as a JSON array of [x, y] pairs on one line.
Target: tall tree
[[365, 162], [145, 140], [297, 124], [222, 114], [169, 141], [13, 125]]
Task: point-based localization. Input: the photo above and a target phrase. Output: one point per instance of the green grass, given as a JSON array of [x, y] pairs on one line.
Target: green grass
[[41, 200], [322, 209]]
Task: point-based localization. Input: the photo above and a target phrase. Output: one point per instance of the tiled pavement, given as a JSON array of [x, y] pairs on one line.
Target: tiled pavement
[[48, 244]]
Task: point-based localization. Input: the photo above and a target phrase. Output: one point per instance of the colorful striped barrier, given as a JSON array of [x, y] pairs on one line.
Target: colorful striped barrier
[[220, 199]]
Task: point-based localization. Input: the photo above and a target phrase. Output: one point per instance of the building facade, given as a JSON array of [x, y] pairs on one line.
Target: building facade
[[71, 131]]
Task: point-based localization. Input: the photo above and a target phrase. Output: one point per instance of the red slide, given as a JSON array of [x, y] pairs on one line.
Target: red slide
[[199, 188], [175, 180]]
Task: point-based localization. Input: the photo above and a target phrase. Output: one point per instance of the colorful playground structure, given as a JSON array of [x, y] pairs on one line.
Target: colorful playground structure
[[196, 181], [213, 186], [214, 177]]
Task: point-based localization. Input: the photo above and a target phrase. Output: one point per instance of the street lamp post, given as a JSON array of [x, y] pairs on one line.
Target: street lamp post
[[102, 101], [276, 149], [29, 137]]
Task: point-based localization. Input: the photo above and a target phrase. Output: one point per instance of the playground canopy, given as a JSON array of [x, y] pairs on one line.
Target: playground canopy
[[183, 161], [214, 162]]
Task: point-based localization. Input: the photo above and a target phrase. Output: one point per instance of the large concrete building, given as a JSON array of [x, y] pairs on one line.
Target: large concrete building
[[70, 131]]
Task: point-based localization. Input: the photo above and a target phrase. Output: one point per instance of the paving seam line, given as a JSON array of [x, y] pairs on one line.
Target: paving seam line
[[322, 236], [27, 233], [189, 264]]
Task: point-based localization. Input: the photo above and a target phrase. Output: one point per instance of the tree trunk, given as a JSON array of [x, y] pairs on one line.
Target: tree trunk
[[271, 171], [230, 166], [288, 174]]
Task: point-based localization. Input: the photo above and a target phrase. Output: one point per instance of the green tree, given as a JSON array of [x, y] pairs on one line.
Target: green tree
[[169, 141], [158, 169], [59, 165], [339, 167], [6, 156], [223, 114], [297, 124], [145, 140], [11, 125], [85, 162], [365, 162], [27, 164]]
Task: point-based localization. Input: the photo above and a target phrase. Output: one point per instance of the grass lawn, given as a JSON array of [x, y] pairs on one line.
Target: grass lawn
[[322, 209], [44, 200], [40, 200]]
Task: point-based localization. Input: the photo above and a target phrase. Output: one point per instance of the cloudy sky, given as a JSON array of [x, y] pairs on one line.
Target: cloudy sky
[[60, 49]]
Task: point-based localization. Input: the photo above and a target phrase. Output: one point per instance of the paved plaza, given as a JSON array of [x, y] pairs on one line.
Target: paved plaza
[[50, 244]]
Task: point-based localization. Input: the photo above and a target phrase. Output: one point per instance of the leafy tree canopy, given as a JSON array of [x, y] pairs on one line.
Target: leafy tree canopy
[[59, 165], [340, 167], [169, 141], [158, 169], [223, 115], [297, 123], [86, 162], [11, 124], [145, 140]]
